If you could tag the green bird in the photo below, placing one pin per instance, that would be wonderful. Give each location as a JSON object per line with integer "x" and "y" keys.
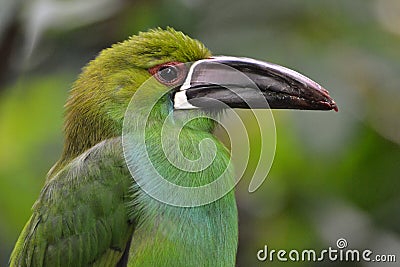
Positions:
{"x": 101, "y": 204}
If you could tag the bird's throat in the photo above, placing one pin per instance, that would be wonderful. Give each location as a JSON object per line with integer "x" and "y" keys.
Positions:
{"x": 170, "y": 235}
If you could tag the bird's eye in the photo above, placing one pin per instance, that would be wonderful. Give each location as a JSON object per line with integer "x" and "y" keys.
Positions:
{"x": 170, "y": 74}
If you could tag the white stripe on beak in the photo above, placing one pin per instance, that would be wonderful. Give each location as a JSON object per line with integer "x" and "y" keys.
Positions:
{"x": 180, "y": 99}
{"x": 181, "y": 102}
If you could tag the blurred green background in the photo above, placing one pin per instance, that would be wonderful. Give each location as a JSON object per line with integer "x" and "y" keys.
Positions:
{"x": 335, "y": 175}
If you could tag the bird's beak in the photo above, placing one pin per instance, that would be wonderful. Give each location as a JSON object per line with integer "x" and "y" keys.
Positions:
{"x": 248, "y": 83}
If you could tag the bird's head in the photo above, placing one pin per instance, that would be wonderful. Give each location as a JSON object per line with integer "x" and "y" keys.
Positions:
{"x": 195, "y": 80}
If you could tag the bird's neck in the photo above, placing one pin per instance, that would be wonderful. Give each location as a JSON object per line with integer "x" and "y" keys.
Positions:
{"x": 169, "y": 235}
{"x": 83, "y": 131}
{"x": 87, "y": 120}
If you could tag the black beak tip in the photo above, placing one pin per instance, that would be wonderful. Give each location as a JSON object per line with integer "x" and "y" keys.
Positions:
{"x": 334, "y": 106}
{"x": 330, "y": 103}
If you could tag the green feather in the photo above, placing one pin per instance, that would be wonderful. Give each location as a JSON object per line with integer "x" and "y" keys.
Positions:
{"x": 81, "y": 215}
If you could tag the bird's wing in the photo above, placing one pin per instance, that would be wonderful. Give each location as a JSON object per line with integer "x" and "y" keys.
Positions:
{"x": 81, "y": 217}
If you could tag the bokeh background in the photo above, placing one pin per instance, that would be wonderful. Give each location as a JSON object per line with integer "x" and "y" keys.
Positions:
{"x": 335, "y": 175}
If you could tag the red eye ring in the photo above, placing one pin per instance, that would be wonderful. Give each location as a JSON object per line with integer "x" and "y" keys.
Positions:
{"x": 170, "y": 73}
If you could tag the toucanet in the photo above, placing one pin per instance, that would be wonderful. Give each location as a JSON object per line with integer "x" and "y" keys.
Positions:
{"x": 93, "y": 212}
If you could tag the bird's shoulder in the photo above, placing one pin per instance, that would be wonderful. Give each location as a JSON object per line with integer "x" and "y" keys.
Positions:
{"x": 82, "y": 216}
